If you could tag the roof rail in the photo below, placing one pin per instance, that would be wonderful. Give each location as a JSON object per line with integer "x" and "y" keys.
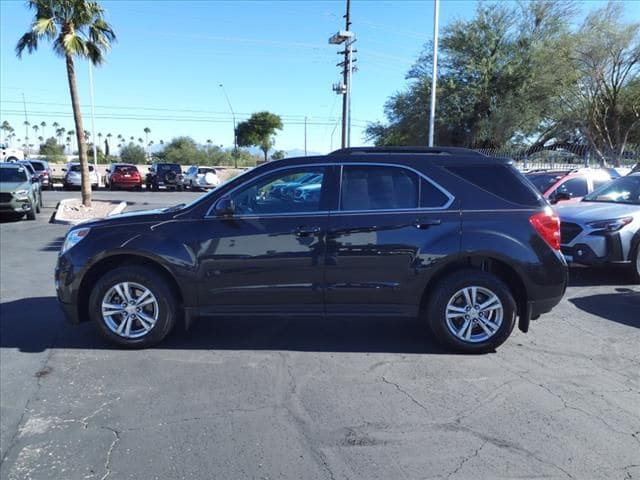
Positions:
{"x": 408, "y": 150}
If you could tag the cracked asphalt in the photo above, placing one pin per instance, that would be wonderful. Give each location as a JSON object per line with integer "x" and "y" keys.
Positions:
{"x": 310, "y": 398}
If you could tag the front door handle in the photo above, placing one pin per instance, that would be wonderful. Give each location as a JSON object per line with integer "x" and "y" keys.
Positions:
{"x": 303, "y": 231}
{"x": 423, "y": 224}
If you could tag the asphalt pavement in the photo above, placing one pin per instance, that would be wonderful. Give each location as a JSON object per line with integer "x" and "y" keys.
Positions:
{"x": 301, "y": 398}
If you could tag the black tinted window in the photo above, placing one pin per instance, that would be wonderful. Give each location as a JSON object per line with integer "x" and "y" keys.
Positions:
{"x": 574, "y": 187}
{"x": 378, "y": 188}
{"x": 38, "y": 166}
{"x": 430, "y": 196}
{"x": 13, "y": 175}
{"x": 501, "y": 180}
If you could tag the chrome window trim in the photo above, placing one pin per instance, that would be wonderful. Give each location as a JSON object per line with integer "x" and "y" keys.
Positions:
{"x": 449, "y": 196}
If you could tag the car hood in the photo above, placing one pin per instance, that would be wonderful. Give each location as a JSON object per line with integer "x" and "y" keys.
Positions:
{"x": 591, "y": 211}
{"x": 13, "y": 186}
{"x": 138, "y": 216}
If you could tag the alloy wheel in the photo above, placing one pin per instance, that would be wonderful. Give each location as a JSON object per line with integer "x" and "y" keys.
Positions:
{"x": 474, "y": 314}
{"x": 129, "y": 310}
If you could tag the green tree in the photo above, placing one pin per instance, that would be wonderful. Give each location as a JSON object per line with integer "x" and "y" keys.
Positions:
{"x": 78, "y": 30}
{"x": 183, "y": 150}
{"x": 259, "y": 130}
{"x": 500, "y": 74}
{"x": 133, "y": 153}
{"x": 605, "y": 102}
{"x": 52, "y": 150}
{"x": 278, "y": 155}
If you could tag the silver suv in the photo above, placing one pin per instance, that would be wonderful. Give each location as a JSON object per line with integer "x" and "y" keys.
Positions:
{"x": 604, "y": 228}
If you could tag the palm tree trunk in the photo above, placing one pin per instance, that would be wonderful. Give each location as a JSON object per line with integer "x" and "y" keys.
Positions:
{"x": 82, "y": 146}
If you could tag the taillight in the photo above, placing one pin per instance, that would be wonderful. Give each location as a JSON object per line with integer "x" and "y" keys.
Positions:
{"x": 547, "y": 224}
{"x": 45, "y": 174}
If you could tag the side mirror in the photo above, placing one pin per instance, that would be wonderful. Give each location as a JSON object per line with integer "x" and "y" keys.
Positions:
{"x": 64, "y": 169}
{"x": 225, "y": 207}
{"x": 107, "y": 170}
{"x": 561, "y": 196}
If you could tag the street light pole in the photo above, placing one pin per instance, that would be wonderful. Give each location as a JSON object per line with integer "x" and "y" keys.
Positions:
{"x": 235, "y": 136}
{"x": 93, "y": 123}
{"x": 434, "y": 73}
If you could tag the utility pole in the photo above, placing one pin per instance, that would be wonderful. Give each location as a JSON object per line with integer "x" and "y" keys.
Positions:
{"x": 344, "y": 88}
{"x": 305, "y": 136}
{"x": 235, "y": 134}
{"x": 434, "y": 72}
{"x": 26, "y": 123}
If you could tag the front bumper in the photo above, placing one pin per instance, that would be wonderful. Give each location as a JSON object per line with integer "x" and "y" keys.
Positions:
{"x": 600, "y": 250}
{"x": 16, "y": 206}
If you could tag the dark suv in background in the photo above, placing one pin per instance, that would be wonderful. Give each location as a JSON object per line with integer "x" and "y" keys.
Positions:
{"x": 168, "y": 175}
{"x": 458, "y": 238}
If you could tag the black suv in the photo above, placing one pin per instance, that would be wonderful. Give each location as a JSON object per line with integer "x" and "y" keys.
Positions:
{"x": 458, "y": 238}
{"x": 167, "y": 175}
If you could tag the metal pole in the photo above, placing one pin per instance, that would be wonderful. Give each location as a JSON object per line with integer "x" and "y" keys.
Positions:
{"x": 26, "y": 127}
{"x": 93, "y": 123}
{"x": 434, "y": 73}
{"x": 345, "y": 78}
{"x": 305, "y": 136}
{"x": 235, "y": 136}
{"x": 350, "y": 67}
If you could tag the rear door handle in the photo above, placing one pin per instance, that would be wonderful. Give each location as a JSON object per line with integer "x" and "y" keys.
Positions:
{"x": 303, "y": 231}
{"x": 423, "y": 224}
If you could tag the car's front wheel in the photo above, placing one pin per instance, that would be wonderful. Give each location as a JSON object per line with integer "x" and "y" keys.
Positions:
{"x": 133, "y": 307}
{"x": 471, "y": 311}
{"x": 635, "y": 265}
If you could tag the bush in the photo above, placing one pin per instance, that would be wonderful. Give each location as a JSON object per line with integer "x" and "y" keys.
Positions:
{"x": 133, "y": 153}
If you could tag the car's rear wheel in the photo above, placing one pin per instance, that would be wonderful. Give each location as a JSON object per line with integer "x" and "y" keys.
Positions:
{"x": 133, "y": 307}
{"x": 471, "y": 311}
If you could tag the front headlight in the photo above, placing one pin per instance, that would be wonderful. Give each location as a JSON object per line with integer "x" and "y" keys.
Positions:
{"x": 73, "y": 238}
{"x": 612, "y": 225}
{"x": 22, "y": 194}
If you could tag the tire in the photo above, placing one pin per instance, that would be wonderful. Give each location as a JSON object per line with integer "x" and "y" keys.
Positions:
{"x": 635, "y": 265}
{"x": 38, "y": 204}
{"x": 486, "y": 329}
{"x": 163, "y": 307}
{"x": 139, "y": 188}
{"x": 31, "y": 214}
{"x": 112, "y": 187}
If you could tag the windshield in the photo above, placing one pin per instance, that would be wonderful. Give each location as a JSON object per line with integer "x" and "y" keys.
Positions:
{"x": 206, "y": 170}
{"x": 76, "y": 168}
{"x": 622, "y": 190}
{"x": 38, "y": 166}
{"x": 166, "y": 167}
{"x": 28, "y": 167}
{"x": 13, "y": 175}
{"x": 544, "y": 181}
{"x": 126, "y": 169}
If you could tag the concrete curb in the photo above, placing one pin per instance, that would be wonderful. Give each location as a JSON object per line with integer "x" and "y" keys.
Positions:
{"x": 58, "y": 214}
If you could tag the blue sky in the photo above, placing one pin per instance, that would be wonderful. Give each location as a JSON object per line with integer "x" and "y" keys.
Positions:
{"x": 164, "y": 72}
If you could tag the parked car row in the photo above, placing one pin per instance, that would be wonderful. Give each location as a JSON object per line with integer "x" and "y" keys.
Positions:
{"x": 20, "y": 190}
{"x": 599, "y": 213}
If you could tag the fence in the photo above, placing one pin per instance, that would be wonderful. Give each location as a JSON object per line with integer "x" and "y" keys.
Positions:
{"x": 570, "y": 156}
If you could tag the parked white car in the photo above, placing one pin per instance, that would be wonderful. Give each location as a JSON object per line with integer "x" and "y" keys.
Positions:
{"x": 73, "y": 177}
{"x": 8, "y": 154}
{"x": 201, "y": 177}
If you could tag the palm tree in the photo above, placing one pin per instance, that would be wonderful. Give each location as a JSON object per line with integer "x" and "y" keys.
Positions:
{"x": 6, "y": 129}
{"x": 43, "y": 124}
{"x": 35, "y": 128}
{"x": 26, "y": 127}
{"x": 77, "y": 29}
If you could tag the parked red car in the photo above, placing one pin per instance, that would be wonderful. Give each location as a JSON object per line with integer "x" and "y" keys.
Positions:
{"x": 568, "y": 185}
{"x": 123, "y": 175}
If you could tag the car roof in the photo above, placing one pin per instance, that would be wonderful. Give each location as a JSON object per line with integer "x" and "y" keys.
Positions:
{"x": 10, "y": 165}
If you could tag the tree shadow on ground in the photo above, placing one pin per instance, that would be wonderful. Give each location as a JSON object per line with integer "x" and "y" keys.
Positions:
{"x": 621, "y": 307}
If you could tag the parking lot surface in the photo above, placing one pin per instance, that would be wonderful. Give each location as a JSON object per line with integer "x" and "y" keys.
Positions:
{"x": 310, "y": 398}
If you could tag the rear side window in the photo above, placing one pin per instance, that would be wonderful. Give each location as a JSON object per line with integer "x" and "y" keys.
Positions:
{"x": 574, "y": 187}
{"x": 430, "y": 196}
{"x": 378, "y": 188}
{"x": 503, "y": 181}
{"x": 37, "y": 166}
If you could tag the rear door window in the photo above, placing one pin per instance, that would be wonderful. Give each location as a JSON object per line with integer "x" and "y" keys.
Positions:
{"x": 370, "y": 187}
